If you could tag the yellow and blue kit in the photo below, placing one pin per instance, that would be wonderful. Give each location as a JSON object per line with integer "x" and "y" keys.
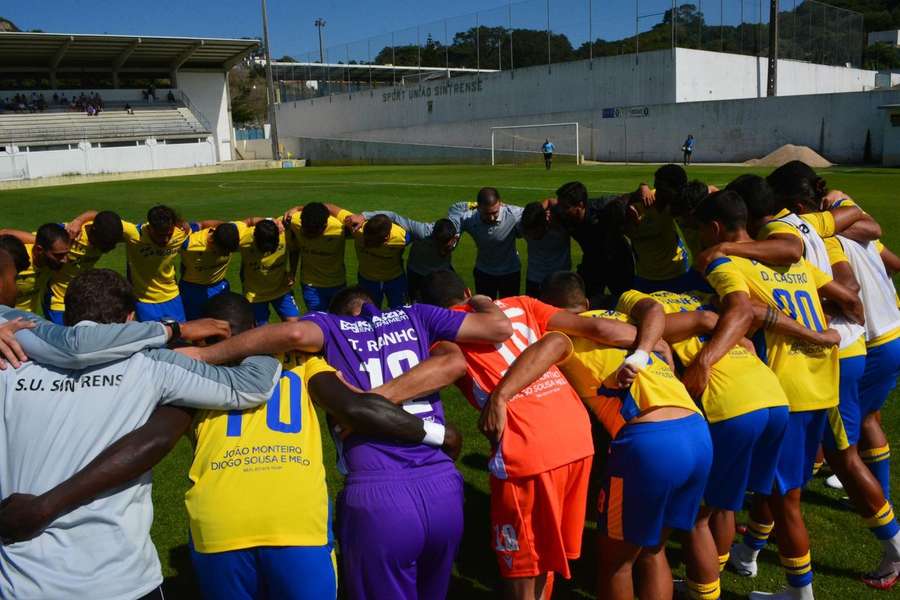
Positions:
{"x": 743, "y": 402}
{"x": 258, "y": 507}
{"x": 266, "y": 279}
{"x": 30, "y": 284}
{"x": 660, "y": 257}
{"x": 203, "y": 270}
{"x": 381, "y": 267}
{"x": 322, "y": 270}
{"x": 656, "y": 471}
{"x": 151, "y": 271}
{"x": 83, "y": 256}
{"x": 808, "y": 373}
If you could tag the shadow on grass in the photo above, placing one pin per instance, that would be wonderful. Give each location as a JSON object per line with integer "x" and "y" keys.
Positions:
{"x": 183, "y": 584}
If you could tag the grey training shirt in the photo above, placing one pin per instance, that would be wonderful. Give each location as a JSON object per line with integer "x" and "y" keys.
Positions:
{"x": 55, "y": 420}
{"x": 549, "y": 254}
{"x": 496, "y": 242}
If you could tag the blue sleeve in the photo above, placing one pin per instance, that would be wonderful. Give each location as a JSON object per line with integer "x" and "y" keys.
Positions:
{"x": 84, "y": 346}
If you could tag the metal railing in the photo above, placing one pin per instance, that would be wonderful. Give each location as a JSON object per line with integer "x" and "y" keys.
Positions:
{"x": 548, "y": 32}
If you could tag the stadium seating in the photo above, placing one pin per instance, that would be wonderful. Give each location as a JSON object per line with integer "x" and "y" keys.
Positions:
{"x": 62, "y": 126}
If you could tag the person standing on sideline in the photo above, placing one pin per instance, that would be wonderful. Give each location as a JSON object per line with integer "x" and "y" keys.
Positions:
{"x": 548, "y": 149}
{"x": 688, "y": 149}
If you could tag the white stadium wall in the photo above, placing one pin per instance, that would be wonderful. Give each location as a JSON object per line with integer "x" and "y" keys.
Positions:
{"x": 627, "y": 111}
{"x": 91, "y": 159}
{"x": 208, "y": 94}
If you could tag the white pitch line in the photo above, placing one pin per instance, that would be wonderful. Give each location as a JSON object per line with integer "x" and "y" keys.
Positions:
{"x": 228, "y": 185}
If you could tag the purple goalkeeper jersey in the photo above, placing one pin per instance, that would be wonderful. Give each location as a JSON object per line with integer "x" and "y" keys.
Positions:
{"x": 377, "y": 347}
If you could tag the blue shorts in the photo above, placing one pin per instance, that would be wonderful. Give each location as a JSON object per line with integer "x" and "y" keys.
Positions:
{"x": 880, "y": 377}
{"x": 798, "y": 451}
{"x": 289, "y": 572}
{"x": 845, "y": 419}
{"x": 54, "y": 316}
{"x": 318, "y": 298}
{"x": 171, "y": 309}
{"x": 691, "y": 281}
{"x": 394, "y": 289}
{"x": 194, "y": 296}
{"x": 654, "y": 479}
{"x": 285, "y": 306}
{"x": 745, "y": 452}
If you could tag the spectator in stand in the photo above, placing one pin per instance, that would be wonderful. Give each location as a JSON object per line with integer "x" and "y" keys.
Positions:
{"x": 55, "y": 98}
{"x": 128, "y": 109}
{"x": 171, "y": 97}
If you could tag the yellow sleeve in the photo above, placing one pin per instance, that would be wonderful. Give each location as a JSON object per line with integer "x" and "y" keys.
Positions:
{"x": 822, "y": 222}
{"x": 879, "y": 245}
{"x": 244, "y": 232}
{"x": 295, "y": 221}
{"x": 777, "y": 227}
{"x": 835, "y": 250}
{"x": 629, "y": 300}
{"x": 724, "y": 276}
{"x": 130, "y": 232}
{"x": 342, "y": 215}
{"x": 314, "y": 366}
{"x": 398, "y": 237}
{"x": 820, "y": 278}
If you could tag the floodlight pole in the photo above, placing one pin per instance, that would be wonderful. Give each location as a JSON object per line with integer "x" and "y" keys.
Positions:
{"x": 772, "y": 89}
{"x": 270, "y": 86}
{"x": 320, "y": 25}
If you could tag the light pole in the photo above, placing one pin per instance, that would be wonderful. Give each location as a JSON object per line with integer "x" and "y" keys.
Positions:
{"x": 320, "y": 25}
{"x": 270, "y": 86}
{"x": 772, "y": 88}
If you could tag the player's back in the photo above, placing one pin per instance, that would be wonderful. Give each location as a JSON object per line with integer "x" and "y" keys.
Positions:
{"x": 258, "y": 475}
{"x": 264, "y": 276}
{"x": 739, "y": 382}
{"x": 591, "y": 369}
{"x": 547, "y": 425}
{"x": 808, "y": 373}
{"x": 54, "y": 422}
{"x": 383, "y": 262}
{"x": 322, "y": 257}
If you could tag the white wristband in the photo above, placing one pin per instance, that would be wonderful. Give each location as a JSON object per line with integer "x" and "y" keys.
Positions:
{"x": 638, "y": 360}
{"x": 434, "y": 434}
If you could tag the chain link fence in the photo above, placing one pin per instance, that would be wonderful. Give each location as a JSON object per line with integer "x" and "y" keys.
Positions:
{"x": 547, "y": 32}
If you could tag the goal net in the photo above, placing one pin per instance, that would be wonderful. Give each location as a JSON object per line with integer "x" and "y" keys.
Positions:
{"x": 516, "y": 144}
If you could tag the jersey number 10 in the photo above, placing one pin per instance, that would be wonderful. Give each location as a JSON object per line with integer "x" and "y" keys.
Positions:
{"x": 273, "y": 409}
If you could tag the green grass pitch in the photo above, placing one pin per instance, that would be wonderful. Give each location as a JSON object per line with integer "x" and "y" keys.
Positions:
{"x": 841, "y": 548}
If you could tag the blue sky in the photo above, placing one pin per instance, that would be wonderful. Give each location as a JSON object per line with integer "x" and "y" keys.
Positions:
{"x": 291, "y": 21}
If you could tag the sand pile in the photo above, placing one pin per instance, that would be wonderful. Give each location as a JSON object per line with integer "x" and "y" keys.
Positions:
{"x": 789, "y": 152}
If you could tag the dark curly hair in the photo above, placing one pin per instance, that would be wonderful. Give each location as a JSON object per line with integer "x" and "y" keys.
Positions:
{"x": 99, "y": 295}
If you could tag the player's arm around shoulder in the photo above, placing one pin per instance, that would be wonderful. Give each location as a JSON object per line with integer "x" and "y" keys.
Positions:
{"x": 487, "y": 324}
{"x": 299, "y": 336}
{"x": 445, "y": 366}
{"x": 368, "y": 413}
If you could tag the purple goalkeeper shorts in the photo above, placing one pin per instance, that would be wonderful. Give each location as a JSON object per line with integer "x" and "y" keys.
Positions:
{"x": 399, "y": 533}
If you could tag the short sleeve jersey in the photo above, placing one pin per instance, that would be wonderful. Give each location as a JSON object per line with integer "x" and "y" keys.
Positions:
{"x": 258, "y": 475}
{"x": 83, "y": 256}
{"x": 547, "y": 424}
{"x": 151, "y": 268}
{"x": 201, "y": 263}
{"x": 374, "y": 348}
{"x": 264, "y": 277}
{"x": 821, "y": 222}
{"x": 322, "y": 257}
{"x": 808, "y": 373}
{"x": 384, "y": 262}
{"x": 739, "y": 383}
{"x": 659, "y": 252}
{"x": 591, "y": 370}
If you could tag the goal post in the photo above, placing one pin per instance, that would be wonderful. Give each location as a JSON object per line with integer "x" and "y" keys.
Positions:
{"x": 523, "y": 142}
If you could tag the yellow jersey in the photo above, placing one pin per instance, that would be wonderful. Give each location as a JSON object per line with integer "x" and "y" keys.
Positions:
{"x": 591, "y": 368}
{"x": 837, "y": 255}
{"x": 265, "y": 277}
{"x": 258, "y": 475}
{"x": 384, "y": 262}
{"x": 659, "y": 252}
{"x": 30, "y": 284}
{"x": 151, "y": 268}
{"x": 322, "y": 257}
{"x": 201, "y": 263}
{"x": 821, "y": 222}
{"x": 83, "y": 256}
{"x": 808, "y": 373}
{"x": 739, "y": 383}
